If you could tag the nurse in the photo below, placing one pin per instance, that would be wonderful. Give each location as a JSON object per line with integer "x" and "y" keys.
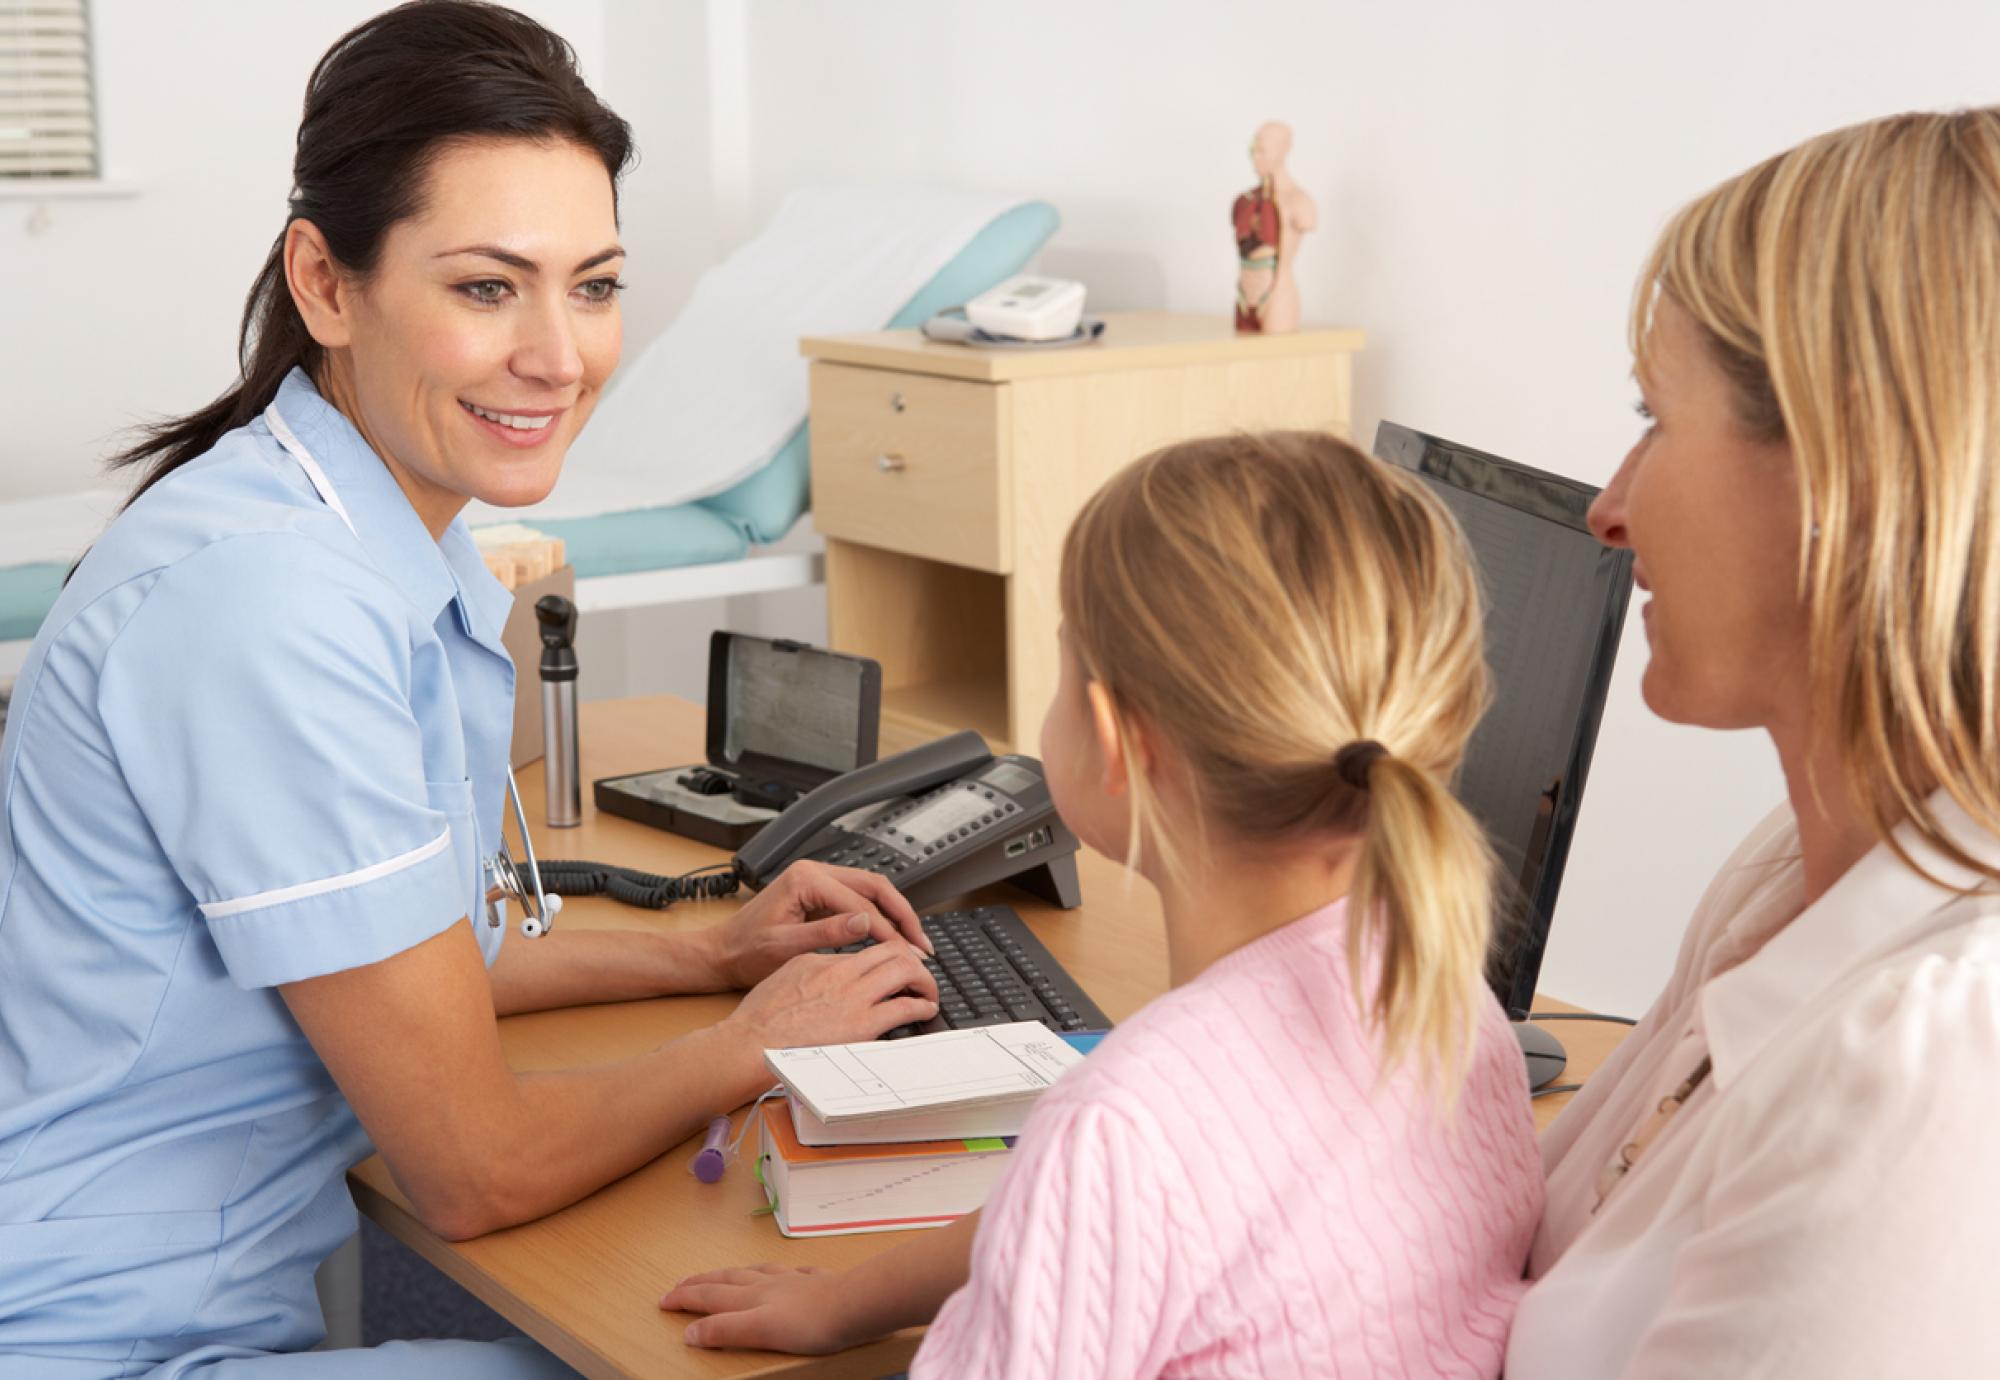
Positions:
{"x": 1792, "y": 1167}
{"x": 257, "y": 754}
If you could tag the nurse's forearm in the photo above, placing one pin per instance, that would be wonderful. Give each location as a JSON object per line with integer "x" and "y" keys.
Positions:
{"x": 474, "y": 1144}
{"x": 576, "y": 967}
{"x": 567, "y": 1133}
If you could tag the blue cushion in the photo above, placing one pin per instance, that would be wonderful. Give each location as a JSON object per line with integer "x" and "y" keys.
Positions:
{"x": 760, "y": 508}
{"x": 27, "y": 592}
{"x": 609, "y": 544}
{"x": 766, "y": 504}
{"x": 645, "y": 539}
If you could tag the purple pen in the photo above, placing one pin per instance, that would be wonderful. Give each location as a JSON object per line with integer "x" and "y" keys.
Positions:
{"x": 710, "y": 1161}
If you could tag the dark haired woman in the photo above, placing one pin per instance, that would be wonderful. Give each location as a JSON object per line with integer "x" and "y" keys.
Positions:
{"x": 258, "y": 752}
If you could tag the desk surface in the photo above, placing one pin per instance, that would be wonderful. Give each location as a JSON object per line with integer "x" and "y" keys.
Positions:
{"x": 584, "y": 1281}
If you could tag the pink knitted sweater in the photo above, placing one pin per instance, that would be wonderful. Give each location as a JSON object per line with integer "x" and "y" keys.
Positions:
{"x": 1224, "y": 1189}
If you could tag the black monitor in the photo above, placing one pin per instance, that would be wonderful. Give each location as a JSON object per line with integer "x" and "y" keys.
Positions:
{"x": 1555, "y": 605}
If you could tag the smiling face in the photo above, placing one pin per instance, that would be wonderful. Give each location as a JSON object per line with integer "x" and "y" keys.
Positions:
{"x": 1712, "y": 519}
{"x": 475, "y": 351}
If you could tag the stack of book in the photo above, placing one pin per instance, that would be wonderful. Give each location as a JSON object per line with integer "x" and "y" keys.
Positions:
{"x": 894, "y": 1134}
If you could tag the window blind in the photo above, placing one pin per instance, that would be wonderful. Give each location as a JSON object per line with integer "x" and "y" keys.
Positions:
{"x": 48, "y": 123}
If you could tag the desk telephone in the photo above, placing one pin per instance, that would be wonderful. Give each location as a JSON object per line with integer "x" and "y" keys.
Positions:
{"x": 937, "y": 821}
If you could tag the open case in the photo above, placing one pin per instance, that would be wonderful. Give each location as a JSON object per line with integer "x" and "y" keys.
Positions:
{"x": 783, "y": 718}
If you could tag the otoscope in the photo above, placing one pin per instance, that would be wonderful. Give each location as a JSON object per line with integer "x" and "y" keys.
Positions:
{"x": 561, "y": 771}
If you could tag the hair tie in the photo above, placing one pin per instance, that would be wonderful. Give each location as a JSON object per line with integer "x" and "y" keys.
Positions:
{"x": 1354, "y": 760}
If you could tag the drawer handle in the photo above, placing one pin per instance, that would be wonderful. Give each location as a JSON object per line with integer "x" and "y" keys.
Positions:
{"x": 896, "y": 402}
{"x": 888, "y": 463}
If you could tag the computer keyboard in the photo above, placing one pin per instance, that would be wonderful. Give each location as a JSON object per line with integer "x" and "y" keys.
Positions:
{"x": 990, "y": 969}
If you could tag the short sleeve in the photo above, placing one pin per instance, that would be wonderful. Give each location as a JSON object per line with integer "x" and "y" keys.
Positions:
{"x": 1850, "y": 1235}
{"x": 1071, "y": 1274}
{"x": 259, "y": 702}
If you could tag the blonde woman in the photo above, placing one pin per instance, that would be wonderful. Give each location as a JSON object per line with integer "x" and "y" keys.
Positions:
{"x": 1792, "y": 1167}
{"x": 1314, "y": 1155}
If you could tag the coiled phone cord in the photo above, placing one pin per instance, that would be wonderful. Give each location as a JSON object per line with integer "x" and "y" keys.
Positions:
{"x": 573, "y": 877}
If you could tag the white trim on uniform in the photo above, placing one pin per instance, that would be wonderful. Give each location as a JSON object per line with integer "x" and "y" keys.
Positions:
{"x": 217, "y": 910}
{"x": 282, "y": 433}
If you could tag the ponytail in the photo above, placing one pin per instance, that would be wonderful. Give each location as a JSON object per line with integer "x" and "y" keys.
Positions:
{"x": 270, "y": 342}
{"x": 1421, "y": 913}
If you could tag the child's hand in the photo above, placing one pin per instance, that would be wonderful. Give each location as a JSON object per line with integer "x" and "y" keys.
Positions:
{"x": 767, "y": 1307}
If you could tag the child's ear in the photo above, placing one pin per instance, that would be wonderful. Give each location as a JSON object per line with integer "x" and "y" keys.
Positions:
{"x": 1112, "y": 747}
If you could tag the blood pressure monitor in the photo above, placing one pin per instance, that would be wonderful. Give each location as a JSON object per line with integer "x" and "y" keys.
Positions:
{"x": 1029, "y": 308}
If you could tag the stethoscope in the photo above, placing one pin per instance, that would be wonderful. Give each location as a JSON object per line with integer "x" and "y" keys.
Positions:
{"x": 504, "y": 877}
{"x": 504, "y": 882}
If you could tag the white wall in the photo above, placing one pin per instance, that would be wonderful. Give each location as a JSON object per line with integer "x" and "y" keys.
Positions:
{"x": 1489, "y": 178}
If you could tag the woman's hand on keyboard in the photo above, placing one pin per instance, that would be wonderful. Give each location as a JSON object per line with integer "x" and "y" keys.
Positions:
{"x": 809, "y": 907}
{"x": 821, "y": 999}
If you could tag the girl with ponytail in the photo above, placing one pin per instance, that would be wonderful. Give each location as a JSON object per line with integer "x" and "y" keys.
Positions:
{"x": 1313, "y": 1156}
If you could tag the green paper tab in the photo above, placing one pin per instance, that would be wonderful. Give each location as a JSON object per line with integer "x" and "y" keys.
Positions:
{"x": 757, "y": 1168}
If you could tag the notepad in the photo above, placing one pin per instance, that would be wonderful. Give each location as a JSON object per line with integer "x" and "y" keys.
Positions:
{"x": 979, "y": 1121}
{"x": 953, "y": 1068}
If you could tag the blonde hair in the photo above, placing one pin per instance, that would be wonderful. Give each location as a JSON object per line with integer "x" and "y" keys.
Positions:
{"x": 1264, "y": 603}
{"x": 1850, "y": 289}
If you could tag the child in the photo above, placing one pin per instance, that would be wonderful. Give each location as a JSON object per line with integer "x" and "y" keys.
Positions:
{"x": 1314, "y": 1156}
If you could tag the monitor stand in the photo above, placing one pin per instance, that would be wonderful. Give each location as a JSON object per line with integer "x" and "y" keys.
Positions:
{"x": 1544, "y": 1053}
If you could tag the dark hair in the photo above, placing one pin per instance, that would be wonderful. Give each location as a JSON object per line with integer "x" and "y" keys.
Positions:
{"x": 386, "y": 99}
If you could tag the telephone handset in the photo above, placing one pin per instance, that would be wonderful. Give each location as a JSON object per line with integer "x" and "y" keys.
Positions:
{"x": 938, "y": 821}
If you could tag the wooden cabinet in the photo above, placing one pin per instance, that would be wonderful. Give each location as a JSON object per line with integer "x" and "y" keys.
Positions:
{"x": 944, "y": 479}
{"x": 910, "y": 463}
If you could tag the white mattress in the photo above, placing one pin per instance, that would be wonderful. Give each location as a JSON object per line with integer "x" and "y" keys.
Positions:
{"x": 713, "y": 398}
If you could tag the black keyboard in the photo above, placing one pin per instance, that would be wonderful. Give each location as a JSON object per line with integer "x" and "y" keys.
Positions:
{"x": 991, "y": 970}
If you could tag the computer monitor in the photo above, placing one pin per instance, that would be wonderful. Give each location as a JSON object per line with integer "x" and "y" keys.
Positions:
{"x": 1555, "y": 605}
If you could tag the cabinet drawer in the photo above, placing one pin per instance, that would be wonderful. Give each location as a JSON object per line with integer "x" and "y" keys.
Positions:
{"x": 911, "y": 463}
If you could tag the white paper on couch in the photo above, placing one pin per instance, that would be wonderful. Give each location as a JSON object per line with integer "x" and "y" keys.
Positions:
{"x": 712, "y": 399}
{"x": 56, "y": 528}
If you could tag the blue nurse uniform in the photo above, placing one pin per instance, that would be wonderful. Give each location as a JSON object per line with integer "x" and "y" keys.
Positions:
{"x": 261, "y": 737}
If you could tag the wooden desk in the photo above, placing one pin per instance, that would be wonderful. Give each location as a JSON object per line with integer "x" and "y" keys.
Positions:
{"x": 584, "y": 1282}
